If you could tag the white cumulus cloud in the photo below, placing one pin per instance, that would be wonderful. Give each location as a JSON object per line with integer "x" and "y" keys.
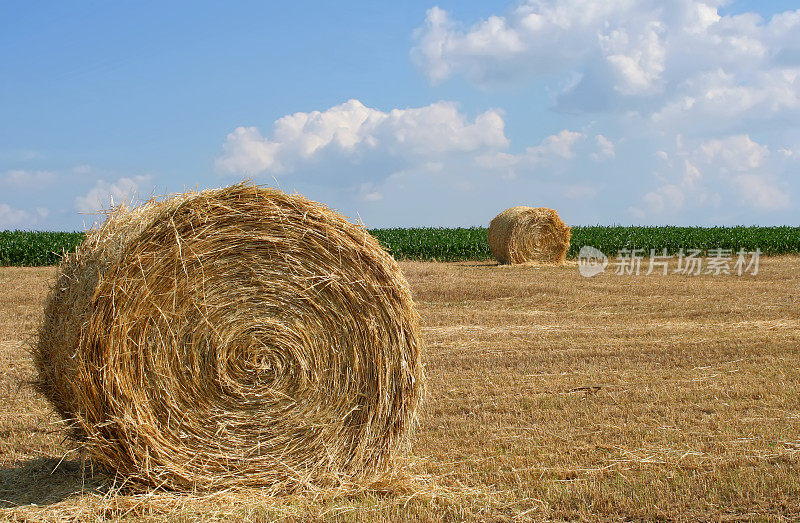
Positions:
{"x": 605, "y": 149}
{"x": 678, "y": 61}
{"x": 104, "y": 194}
{"x": 734, "y": 153}
{"x": 551, "y": 148}
{"x": 726, "y": 83}
{"x": 352, "y": 130}
{"x": 734, "y": 170}
{"x": 560, "y": 144}
{"x": 667, "y": 198}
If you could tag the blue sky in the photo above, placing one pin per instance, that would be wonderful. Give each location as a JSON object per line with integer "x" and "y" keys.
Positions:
{"x": 406, "y": 114}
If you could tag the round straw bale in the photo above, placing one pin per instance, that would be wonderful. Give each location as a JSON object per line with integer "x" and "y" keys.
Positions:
{"x": 233, "y": 337}
{"x": 525, "y": 234}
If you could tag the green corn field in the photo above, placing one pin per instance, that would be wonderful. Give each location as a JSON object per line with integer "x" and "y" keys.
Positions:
{"x": 433, "y": 243}
{"x": 29, "y": 248}
{"x": 770, "y": 240}
{"x": 471, "y": 243}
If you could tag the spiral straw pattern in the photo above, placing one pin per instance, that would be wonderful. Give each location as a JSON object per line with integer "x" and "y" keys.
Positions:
{"x": 233, "y": 337}
{"x": 529, "y": 234}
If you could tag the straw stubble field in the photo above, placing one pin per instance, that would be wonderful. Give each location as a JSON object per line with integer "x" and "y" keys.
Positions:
{"x": 550, "y": 396}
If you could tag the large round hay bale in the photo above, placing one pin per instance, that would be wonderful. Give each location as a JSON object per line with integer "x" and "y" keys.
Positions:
{"x": 529, "y": 234}
{"x": 233, "y": 337}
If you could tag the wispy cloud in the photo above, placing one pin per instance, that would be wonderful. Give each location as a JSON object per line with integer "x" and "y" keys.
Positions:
{"x": 14, "y": 218}
{"x": 20, "y": 178}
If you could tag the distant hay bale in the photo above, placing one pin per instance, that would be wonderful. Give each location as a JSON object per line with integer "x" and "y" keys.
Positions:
{"x": 524, "y": 234}
{"x": 233, "y": 337}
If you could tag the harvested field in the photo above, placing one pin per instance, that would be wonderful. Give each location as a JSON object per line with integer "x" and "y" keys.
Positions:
{"x": 551, "y": 396}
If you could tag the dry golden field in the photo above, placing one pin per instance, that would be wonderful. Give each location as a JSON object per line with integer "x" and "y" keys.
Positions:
{"x": 551, "y": 396}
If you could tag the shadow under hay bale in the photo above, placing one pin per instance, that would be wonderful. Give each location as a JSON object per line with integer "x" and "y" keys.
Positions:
{"x": 234, "y": 337}
{"x": 529, "y": 234}
{"x": 45, "y": 481}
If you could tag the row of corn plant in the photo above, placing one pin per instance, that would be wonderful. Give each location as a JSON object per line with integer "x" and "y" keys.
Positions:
{"x": 610, "y": 240}
{"x": 29, "y": 248}
{"x": 471, "y": 243}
